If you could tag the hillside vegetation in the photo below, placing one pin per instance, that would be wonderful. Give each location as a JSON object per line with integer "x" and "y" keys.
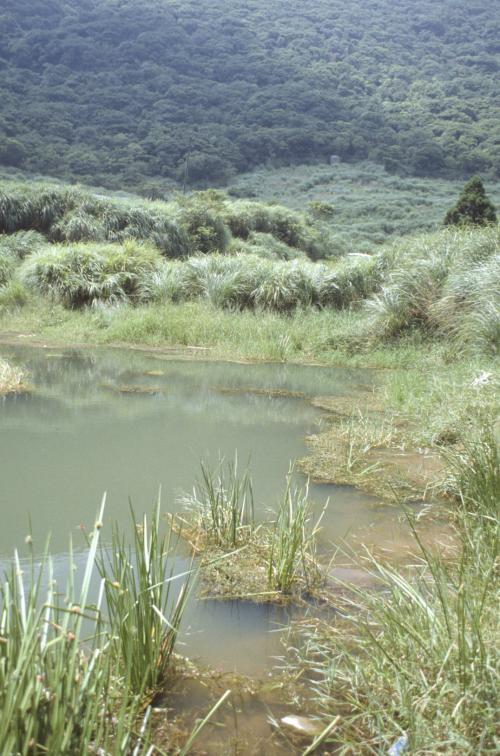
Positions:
{"x": 79, "y": 250}
{"x": 126, "y": 91}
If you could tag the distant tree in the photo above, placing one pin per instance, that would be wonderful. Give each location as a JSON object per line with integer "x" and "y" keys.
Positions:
{"x": 473, "y": 206}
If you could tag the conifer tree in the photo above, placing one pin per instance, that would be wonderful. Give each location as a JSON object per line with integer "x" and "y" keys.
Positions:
{"x": 473, "y": 206}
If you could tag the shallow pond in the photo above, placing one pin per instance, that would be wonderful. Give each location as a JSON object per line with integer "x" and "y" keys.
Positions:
{"x": 128, "y": 422}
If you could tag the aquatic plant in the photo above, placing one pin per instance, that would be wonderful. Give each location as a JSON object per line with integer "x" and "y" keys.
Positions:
{"x": 221, "y": 505}
{"x": 292, "y": 541}
{"x": 56, "y": 695}
{"x": 76, "y": 668}
{"x": 144, "y": 602}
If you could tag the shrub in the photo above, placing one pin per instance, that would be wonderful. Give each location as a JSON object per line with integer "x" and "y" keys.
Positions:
{"x": 206, "y": 229}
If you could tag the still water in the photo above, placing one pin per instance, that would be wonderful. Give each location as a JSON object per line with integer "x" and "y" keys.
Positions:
{"x": 128, "y": 423}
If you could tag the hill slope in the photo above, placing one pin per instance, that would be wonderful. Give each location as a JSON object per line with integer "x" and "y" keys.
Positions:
{"x": 113, "y": 91}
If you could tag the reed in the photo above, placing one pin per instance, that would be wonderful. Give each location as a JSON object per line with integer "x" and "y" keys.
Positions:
{"x": 145, "y": 602}
{"x": 77, "y": 664}
{"x": 56, "y": 694}
{"x": 292, "y": 545}
{"x": 221, "y": 505}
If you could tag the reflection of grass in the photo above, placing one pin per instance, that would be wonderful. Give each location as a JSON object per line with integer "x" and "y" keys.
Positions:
{"x": 420, "y": 657}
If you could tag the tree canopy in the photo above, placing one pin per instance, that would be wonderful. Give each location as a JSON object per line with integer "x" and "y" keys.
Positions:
{"x": 473, "y": 206}
{"x": 118, "y": 91}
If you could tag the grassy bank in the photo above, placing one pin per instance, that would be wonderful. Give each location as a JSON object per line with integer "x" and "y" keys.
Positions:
{"x": 417, "y": 662}
{"x": 304, "y": 336}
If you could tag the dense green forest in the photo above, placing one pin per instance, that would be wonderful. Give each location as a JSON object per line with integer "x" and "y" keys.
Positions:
{"x": 119, "y": 92}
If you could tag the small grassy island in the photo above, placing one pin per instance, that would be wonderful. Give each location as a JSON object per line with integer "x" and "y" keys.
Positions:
{"x": 12, "y": 379}
{"x": 407, "y": 653}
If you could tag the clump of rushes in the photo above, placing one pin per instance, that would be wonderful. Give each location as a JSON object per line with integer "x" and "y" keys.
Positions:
{"x": 57, "y": 696}
{"x": 73, "y": 677}
{"x": 145, "y": 604}
{"x": 221, "y": 506}
{"x": 272, "y": 561}
{"x": 292, "y": 542}
{"x": 419, "y": 658}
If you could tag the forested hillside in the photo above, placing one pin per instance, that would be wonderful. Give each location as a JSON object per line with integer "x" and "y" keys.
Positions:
{"x": 117, "y": 91}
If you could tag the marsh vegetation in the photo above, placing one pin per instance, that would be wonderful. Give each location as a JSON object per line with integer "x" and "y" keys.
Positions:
{"x": 233, "y": 278}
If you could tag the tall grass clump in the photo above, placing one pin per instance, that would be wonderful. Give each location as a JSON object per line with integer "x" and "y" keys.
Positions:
{"x": 265, "y": 245}
{"x": 250, "y": 282}
{"x": 144, "y": 604}
{"x": 292, "y": 546}
{"x": 7, "y": 267}
{"x": 469, "y": 307}
{"x": 202, "y": 223}
{"x": 57, "y": 692}
{"x": 12, "y": 379}
{"x": 77, "y": 664}
{"x": 444, "y": 285}
{"x": 221, "y": 505}
{"x": 83, "y": 274}
{"x": 419, "y": 657}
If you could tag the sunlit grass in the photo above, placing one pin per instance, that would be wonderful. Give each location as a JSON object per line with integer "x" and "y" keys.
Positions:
{"x": 220, "y": 507}
{"x": 13, "y": 380}
{"x": 79, "y": 663}
{"x": 419, "y": 656}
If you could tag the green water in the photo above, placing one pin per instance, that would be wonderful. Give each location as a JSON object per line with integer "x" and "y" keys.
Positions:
{"x": 79, "y": 434}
